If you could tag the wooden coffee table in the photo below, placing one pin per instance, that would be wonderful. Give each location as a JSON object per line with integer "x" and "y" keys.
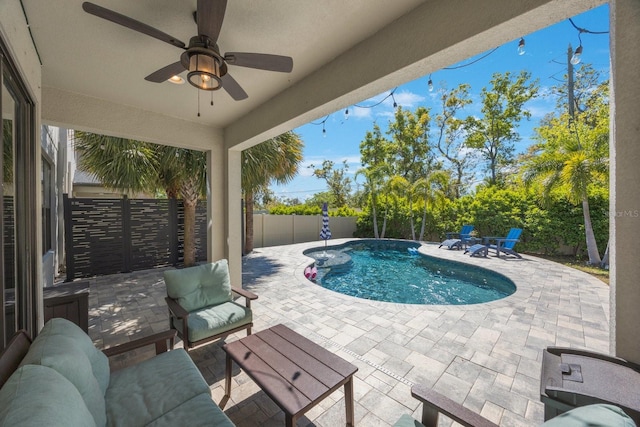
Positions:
{"x": 293, "y": 371}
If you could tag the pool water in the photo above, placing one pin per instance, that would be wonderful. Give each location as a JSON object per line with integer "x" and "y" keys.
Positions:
{"x": 387, "y": 271}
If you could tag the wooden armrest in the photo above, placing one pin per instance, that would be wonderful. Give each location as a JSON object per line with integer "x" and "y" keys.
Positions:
{"x": 12, "y": 355}
{"x": 176, "y": 308}
{"x": 244, "y": 293}
{"x": 434, "y": 403}
{"x": 160, "y": 340}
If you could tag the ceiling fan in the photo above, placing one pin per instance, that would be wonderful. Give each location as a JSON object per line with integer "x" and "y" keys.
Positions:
{"x": 207, "y": 67}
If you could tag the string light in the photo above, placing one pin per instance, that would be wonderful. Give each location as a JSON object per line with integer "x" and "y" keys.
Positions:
{"x": 577, "y": 56}
{"x": 575, "y": 59}
{"x": 521, "y": 50}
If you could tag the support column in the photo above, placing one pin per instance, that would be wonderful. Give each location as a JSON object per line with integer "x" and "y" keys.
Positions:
{"x": 234, "y": 214}
{"x": 624, "y": 178}
{"x": 216, "y": 195}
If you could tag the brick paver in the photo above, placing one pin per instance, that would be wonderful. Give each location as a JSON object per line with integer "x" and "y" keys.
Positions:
{"x": 486, "y": 356}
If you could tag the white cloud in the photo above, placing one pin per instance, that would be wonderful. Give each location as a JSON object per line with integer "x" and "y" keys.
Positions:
{"x": 360, "y": 113}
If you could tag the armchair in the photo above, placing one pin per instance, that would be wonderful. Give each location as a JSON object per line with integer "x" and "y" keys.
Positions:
{"x": 201, "y": 307}
{"x": 434, "y": 404}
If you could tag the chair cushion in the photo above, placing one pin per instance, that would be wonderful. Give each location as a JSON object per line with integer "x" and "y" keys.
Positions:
{"x": 200, "y": 286}
{"x": 35, "y": 395}
{"x": 200, "y": 411}
{"x": 144, "y": 392}
{"x": 215, "y": 320}
{"x": 600, "y": 415}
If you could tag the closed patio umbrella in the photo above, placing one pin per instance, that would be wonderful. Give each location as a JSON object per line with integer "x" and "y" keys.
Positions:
{"x": 325, "y": 232}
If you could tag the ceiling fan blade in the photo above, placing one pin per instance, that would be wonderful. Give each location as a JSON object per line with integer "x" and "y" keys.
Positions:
{"x": 165, "y": 73}
{"x": 233, "y": 88}
{"x": 261, "y": 61}
{"x": 125, "y": 21}
{"x": 210, "y": 16}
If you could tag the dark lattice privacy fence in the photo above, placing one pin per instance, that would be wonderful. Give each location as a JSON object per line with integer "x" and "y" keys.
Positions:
{"x": 107, "y": 236}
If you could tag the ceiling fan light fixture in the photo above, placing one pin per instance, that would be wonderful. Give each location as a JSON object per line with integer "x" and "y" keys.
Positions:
{"x": 204, "y": 71}
{"x": 176, "y": 80}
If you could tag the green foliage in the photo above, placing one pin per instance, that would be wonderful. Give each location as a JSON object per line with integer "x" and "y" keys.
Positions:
{"x": 295, "y": 210}
{"x": 339, "y": 184}
{"x": 494, "y": 133}
{"x": 310, "y": 210}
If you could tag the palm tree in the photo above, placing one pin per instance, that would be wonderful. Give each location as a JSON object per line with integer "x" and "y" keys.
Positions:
{"x": 136, "y": 166}
{"x": 276, "y": 159}
{"x": 574, "y": 155}
{"x": 399, "y": 186}
{"x": 374, "y": 179}
{"x": 185, "y": 171}
{"x": 433, "y": 190}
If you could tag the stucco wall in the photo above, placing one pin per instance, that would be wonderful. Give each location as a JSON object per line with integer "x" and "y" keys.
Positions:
{"x": 274, "y": 230}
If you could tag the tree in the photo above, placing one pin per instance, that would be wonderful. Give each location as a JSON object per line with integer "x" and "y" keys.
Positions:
{"x": 276, "y": 159}
{"x": 374, "y": 151}
{"x": 409, "y": 154}
{"x": 339, "y": 184}
{"x": 572, "y": 154}
{"x": 450, "y": 136}
{"x": 433, "y": 190}
{"x": 136, "y": 166}
{"x": 494, "y": 134}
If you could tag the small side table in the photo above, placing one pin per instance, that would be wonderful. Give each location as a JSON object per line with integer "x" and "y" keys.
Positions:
{"x": 294, "y": 372}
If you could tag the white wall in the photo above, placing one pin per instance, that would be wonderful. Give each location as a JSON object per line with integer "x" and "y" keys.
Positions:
{"x": 275, "y": 230}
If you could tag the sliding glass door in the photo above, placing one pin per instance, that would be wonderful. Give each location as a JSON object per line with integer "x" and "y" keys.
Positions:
{"x": 18, "y": 266}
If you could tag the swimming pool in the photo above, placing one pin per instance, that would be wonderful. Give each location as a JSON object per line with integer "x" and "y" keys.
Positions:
{"x": 384, "y": 270}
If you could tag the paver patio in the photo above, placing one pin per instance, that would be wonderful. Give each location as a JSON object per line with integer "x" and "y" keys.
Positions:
{"x": 486, "y": 356}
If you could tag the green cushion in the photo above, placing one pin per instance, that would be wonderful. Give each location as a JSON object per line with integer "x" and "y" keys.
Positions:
{"x": 144, "y": 392}
{"x": 200, "y": 286}
{"x": 200, "y": 411}
{"x": 407, "y": 420}
{"x": 215, "y": 320}
{"x": 59, "y": 347}
{"x": 39, "y": 396}
{"x": 600, "y": 415}
{"x": 99, "y": 362}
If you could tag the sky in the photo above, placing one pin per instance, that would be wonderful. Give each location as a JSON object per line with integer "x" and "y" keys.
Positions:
{"x": 545, "y": 58}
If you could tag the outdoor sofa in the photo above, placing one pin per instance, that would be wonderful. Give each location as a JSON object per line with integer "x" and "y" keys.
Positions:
{"x": 61, "y": 379}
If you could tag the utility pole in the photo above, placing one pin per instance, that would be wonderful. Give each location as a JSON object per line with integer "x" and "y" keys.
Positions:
{"x": 570, "y": 83}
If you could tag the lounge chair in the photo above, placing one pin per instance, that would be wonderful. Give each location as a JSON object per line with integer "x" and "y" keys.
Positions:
{"x": 504, "y": 244}
{"x": 457, "y": 240}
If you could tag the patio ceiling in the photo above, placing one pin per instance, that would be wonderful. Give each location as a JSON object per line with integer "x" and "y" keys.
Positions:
{"x": 343, "y": 52}
{"x": 85, "y": 54}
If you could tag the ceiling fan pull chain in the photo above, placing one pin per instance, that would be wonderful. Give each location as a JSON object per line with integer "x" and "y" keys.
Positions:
{"x": 212, "y": 99}
{"x": 198, "y": 103}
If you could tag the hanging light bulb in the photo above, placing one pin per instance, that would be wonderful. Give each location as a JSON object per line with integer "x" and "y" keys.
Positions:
{"x": 430, "y": 84}
{"x": 521, "y": 46}
{"x": 346, "y": 114}
{"x": 577, "y": 56}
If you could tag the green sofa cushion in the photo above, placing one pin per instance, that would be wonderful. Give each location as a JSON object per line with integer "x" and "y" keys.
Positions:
{"x": 39, "y": 396}
{"x": 199, "y": 286}
{"x": 600, "y": 415}
{"x": 57, "y": 327}
{"x": 211, "y": 321}
{"x": 61, "y": 354}
{"x": 407, "y": 420}
{"x": 142, "y": 393}
{"x": 199, "y": 411}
